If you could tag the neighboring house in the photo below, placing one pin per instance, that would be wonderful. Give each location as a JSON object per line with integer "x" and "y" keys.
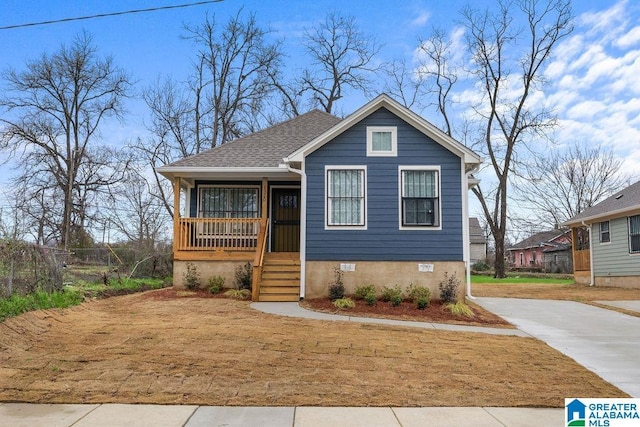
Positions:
{"x": 477, "y": 241}
{"x": 547, "y": 251}
{"x": 610, "y": 252}
{"x": 380, "y": 195}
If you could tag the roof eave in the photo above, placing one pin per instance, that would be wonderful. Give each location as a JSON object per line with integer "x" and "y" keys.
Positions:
{"x": 609, "y": 214}
{"x": 171, "y": 172}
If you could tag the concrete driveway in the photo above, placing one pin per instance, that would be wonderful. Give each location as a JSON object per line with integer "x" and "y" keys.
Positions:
{"x": 604, "y": 341}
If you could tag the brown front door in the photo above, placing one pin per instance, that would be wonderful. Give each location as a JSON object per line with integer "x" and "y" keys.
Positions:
{"x": 285, "y": 220}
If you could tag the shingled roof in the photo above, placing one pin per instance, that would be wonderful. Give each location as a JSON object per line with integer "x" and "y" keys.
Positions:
{"x": 265, "y": 148}
{"x": 623, "y": 201}
{"x": 539, "y": 239}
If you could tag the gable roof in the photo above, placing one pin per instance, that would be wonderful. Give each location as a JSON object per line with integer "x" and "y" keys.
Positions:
{"x": 261, "y": 150}
{"x": 539, "y": 239}
{"x": 622, "y": 202}
{"x": 384, "y": 101}
{"x": 476, "y": 234}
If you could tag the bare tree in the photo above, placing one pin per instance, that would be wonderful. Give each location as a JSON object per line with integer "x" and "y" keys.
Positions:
{"x": 342, "y": 58}
{"x": 232, "y": 77}
{"x": 506, "y": 66}
{"x": 430, "y": 80}
{"x": 563, "y": 184}
{"x": 59, "y": 102}
{"x": 223, "y": 99}
{"x": 509, "y": 120}
{"x": 136, "y": 214}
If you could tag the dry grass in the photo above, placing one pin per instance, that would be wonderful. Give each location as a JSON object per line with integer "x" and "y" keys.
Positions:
{"x": 157, "y": 347}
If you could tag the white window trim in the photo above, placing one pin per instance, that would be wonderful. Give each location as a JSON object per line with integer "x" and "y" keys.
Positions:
{"x": 633, "y": 254}
{"x": 600, "y": 233}
{"x": 419, "y": 227}
{"x": 327, "y": 168}
{"x": 394, "y": 141}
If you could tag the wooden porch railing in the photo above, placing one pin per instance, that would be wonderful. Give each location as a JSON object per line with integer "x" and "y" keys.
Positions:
{"x": 217, "y": 234}
{"x": 581, "y": 260}
{"x": 259, "y": 259}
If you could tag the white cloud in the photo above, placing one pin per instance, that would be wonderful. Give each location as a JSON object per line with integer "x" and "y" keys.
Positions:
{"x": 630, "y": 39}
{"x": 421, "y": 19}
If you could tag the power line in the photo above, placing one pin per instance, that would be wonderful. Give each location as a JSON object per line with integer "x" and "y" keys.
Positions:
{"x": 105, "y": 15}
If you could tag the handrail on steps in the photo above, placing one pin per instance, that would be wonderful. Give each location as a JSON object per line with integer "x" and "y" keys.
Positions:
{"x": 259, "y": 259}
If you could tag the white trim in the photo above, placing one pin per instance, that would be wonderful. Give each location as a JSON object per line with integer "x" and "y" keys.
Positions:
{"x": 629, "y": 236}
{"x": 364, "y": 212}
{"x": 608, "y": 242}
{"x": 618, "y": 213}
{"x": 402, "y": 168}
{"x": 399, "y": 110}
{"x": 394, "y": 141}
{"x": 303, "y": 226}
{"x": 303, "y": 232}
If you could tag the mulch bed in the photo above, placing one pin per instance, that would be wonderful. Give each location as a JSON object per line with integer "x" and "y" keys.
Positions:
{"x": 434, "y": 312}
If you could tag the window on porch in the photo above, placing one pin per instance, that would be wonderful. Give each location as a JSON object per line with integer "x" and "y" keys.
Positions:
{"x": 224, "y": 202}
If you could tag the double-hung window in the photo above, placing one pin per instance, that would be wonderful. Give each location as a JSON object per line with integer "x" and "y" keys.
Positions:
{"x": 634, "y": 234}
{"x": 419, "y": 197}
{"x": 346, "y": 196}
{"x": 605, "y": 234}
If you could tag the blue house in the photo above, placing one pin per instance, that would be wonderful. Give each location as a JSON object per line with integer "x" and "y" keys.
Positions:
{"x": 380, "y": 195}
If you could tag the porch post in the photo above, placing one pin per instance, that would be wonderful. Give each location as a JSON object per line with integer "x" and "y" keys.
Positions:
{"x": 176, "y": 214}
{"x": 265, "y": 198}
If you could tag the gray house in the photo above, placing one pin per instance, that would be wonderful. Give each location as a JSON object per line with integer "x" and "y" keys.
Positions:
{"x": 380, "y": 195}
{"x": 608, "y": 254}
{"x": 477, "y": 241}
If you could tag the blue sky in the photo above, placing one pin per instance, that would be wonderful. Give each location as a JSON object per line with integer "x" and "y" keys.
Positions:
{"x": 594, "y": 75}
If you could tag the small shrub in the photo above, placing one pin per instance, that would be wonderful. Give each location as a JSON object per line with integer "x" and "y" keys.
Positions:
{"x": 391, "y": 294}
{"x": 460, "y": 309}
{"x": 241, "y": 294}
{"x": 419, "y": 295}
{"x": 191, "y": 278}
{"x": 396, "y": 300}
{"x": 215, "y": 284}
{"x": 449, "y": 289}
{"x": 371, "y": 299}
{"x": 362, "y": 291}
{"x": 344, "y": 303}
{"x": 336, "y": 289}
{"x": 481, "y": 266}
{"x": 244, "y": 276}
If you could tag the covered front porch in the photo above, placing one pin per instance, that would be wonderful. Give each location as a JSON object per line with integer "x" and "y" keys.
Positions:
{"x": 226, "y": 224}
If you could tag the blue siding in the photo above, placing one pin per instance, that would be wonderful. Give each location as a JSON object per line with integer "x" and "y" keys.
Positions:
{"x": 383, "y": 240}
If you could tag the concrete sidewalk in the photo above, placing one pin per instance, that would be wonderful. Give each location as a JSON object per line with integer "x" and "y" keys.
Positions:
{"x": 114, "y": 415}
{"x": 603, "y": 341}
{"x": 293, "y": 309}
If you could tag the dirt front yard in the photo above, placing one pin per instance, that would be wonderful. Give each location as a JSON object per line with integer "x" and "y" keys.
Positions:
{"x": 164, "y": 347}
